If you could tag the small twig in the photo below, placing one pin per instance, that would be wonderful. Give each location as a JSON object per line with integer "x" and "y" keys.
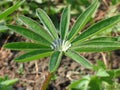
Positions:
{"x": 37, "y": 69}
{"x": 104, "y": 59}
{"x": 1, "y": 49}
{"x": 26, "y": 80}
{"x": 34, "y": 73}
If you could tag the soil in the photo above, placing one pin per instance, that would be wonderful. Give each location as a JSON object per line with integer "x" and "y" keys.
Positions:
{"x": 31, "y": 75}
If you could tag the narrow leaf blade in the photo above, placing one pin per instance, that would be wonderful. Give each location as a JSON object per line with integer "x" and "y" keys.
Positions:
{"x": 64, "y": 24}
{"x": 97, "y": 46}
{"x": 82, "y": 20}
{"x": 55, "y": 61}
{"x": 33, "y": 55}
{"x": 99, "y": 39}
{"x": 36, "y": 27}
{"x": 25, "y": 46}
{"x": 29, "y": 34}
{"x": 47, "y": 22}
{"x": 9, "y": 82}
{"x": 79, "y": 59}
{"x": 10, "y": 10}
{"x": 97, "y": 28}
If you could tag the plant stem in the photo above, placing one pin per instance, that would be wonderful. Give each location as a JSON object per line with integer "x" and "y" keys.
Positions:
{"x": 110, "y": 60}
{"x": 47, "y": 81}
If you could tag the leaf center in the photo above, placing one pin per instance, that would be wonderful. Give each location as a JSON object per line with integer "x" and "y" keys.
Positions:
{"x": 60, "y": 45}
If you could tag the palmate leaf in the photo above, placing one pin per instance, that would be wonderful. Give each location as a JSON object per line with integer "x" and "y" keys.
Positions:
{"x": 29, "y": 34}
{"x": 10, "y": 10}
{"x": 35, "y": 27}
{"x": 97, "y": 46}
{"x": 82, "y": 20}
{"x": 64, "y": 24}
{"x": 26, "y": 46}
{"x": 33, "y": 55}
{"x": 55, "y": 61}
{"x": 47, "y": 22}
{"x": 97, "y": 28}
{"x": 79, "y": 59}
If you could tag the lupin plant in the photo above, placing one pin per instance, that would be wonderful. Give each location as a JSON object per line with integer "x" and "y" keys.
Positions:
{"x": 48, "y": 41}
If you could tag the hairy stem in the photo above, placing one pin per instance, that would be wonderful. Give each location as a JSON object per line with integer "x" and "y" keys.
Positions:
{"x": 47, "y": 81}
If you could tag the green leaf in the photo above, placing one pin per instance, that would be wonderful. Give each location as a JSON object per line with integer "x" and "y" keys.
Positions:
{"x": 82, "y": 20}
{"x": 99, "y": 65}
{"x": 10, "y": 10}
{"x": 79, "y": 59}
{"x": 102, "y": 73}
{"x": 47, "y": 22}
{"x": 97, "y": 46}
{"x": 35, "y": 27}
{"x": 33, "y": 55}
{"x": 95, "y": 83}
{"x": 8, "y": 82}
{"x": 29, "y": 34}
{"x": 55, "y": 61}
{"x": 64, "y": 24}
{"x": 97, "y": 28}
{"x": 81, "y": 84}
{"x": 114, "y": 73}
{"x": 25, "y": 46}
